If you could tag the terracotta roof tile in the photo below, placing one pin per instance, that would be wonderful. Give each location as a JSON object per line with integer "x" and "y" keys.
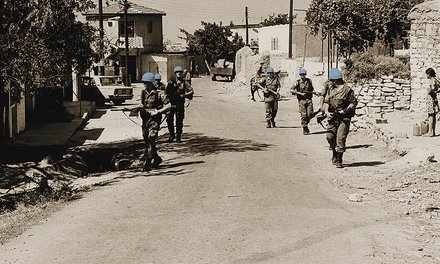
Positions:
{"x": 133, "y": 9}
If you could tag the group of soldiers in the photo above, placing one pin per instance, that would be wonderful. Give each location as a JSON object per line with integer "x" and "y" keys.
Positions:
{"x": 158, "y": 99}
{"x": 337, "y": 105}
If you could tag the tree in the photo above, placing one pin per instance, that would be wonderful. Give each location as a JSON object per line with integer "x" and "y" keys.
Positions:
{"x": 357, "y": 24}
{"x": 213, "y": 41}
{"x": 273, "y": 20}
{"x": 42, "y": 41}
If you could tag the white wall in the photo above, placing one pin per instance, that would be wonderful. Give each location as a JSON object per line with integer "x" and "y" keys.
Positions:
{"x": 267, "y": 34}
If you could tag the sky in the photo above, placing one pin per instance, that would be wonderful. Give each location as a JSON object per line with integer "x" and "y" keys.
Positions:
{"x": 188, "y": 14}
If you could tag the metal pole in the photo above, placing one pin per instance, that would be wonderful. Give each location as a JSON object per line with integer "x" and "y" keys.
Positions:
{"x": 126, "y": 41}
{"x": 329, "y": 44}
{"x": 290, "y": 28}
{"x": 247, "y": 25}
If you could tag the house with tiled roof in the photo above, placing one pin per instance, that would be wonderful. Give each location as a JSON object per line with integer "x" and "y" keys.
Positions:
{"x": 145, "y": 34}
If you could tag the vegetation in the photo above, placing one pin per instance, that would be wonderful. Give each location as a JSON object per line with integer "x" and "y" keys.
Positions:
{"x": 369, "y": 66}
{"x": 272, "y": 20}
{"x": 357, "y": 24}
{"x": 42, "y": 41}
{"x": 213, "y": 41}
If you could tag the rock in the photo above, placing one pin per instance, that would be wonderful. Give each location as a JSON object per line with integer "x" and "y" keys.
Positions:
{"x": 354, "y": 197}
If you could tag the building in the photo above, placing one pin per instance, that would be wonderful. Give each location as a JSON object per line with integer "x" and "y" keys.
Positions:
{"x": 145, "y": 34}
{"x": 424, "y": 48}
{"x": 241, "y": 31}
{"x": 275, "y": 40}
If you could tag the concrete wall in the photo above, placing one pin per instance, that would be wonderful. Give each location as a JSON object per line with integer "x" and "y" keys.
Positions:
{"x": 304, "y": 43}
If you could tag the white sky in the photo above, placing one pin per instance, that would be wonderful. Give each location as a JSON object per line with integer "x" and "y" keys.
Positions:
{"x": 188, "y": 14}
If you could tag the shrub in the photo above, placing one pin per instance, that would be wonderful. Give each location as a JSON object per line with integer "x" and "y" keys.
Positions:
{"x": 368, "y": 66}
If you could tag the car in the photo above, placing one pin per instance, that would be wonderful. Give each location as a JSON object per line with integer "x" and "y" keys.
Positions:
{"x": 101, "y": 89}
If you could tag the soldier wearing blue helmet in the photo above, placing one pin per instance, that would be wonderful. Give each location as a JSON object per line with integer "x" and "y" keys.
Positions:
{"x": 339, "y": 106}
{"x": 270, "y": 86}
{"x": 158, "y": 82}
{"x": 303, "y": 89}
{"x": 178, "y": 90}
{"x": 154, "y": 103}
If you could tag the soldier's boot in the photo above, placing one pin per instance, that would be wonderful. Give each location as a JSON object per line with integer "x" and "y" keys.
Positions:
{"x": 306, "y": 130}
{"x": 171, "y": 138}
{"x": 339, "y": 160}
{"x": 273, "y": 123}
{"x": 157, "y": 161}
{"x": 268, "y": 125}
{"x": 179, "y": 138}
{"x": 147, "y": 165}
{"x": 334, "y": 157}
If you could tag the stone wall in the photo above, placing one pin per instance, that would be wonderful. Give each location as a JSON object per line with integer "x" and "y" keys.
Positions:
{"x": 385, "y": 95}
{"x": 425, "y": 48}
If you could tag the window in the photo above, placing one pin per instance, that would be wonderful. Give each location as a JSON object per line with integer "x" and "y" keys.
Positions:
{"x": 130, "y": 29}
{"x": 274, "y": 44}
{"x": 110, "y": 24}
{"x": 150, "y": 27}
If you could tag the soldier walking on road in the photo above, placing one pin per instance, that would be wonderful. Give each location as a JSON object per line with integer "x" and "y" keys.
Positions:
{"x": 339, "y": 106}
{"x": 303, "y": 89}
{"x": 256, "y": 80}
{"x": 270, "y": 86}
{"x": 187, "y": 76}
{"x": 155, "y": 103}
{"x": 158, "y": 82}
{"x": 177, "y": 90}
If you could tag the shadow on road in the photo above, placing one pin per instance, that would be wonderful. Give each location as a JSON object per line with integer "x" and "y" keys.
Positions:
{"x": 202, "y": 145}
{"x": 318, "y": 132}
{"x": 364, "y": 164}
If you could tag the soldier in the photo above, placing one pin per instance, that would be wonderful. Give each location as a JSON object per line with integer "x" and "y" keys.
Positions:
{"x": 339, "y": 106}
{"x": 154, "y": 103}
{"x": 303, "y": 89}
{"x": 270, "y": 86}
{"x": 255, "y": 81}
{"x": 177, "y": 90}
{"x": 187, "y": 76}
{"x": 158, "y": 82}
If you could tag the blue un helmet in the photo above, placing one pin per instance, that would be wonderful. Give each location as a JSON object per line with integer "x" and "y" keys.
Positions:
{"x": 178, "y": 69}
{"x": 148, "y": 77}
{"x": 158, "y": 77}
{"x": 302, "y": 71}
{"x": 335, "y": 74}
{"x": 269, "y": 70}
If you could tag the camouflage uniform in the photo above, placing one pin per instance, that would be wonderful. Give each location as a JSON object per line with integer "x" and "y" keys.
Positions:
{"x": 304, "y": 101}
{"x": 270, "y": 100}
{"x": 176, "y": 90}
{"x": 153, "y": 100}
{"x": 339, "y": 98}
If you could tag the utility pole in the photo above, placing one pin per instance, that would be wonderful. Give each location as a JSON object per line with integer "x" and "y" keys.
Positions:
{"x": 290, "y": 28}
{"x": 126, "y": 41}
{"x": 101, "y": 38}
{"x": 246, "y": 12}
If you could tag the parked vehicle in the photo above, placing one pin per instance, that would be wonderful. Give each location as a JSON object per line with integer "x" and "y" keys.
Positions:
{"x": 103, "y": 89}
{"x": 224, "y": 69}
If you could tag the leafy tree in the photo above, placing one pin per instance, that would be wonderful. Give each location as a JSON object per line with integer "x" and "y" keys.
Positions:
{"x": 42, "y": 41}
{"x": 213, "y": 41}
{"x": 357, "y": 24}
{"x": 272, "y": 20}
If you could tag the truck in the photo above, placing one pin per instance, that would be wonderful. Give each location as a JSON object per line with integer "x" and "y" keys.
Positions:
{"x": 223, "y": 69}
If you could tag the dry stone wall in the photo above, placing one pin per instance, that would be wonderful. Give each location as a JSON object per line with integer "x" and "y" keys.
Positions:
{"x": 385, "y": 95}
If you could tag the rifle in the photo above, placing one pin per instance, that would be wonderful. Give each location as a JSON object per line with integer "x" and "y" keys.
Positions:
{"x": 134, "y": 111}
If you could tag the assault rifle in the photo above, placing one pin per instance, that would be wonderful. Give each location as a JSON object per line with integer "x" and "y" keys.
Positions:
{"x": 135, "y": 111}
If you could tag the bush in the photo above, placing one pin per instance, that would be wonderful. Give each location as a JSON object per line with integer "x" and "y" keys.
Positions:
{"x": 368, "y": 66}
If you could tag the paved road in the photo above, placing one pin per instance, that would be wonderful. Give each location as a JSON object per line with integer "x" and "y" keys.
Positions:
{"x": 232, "y": 192}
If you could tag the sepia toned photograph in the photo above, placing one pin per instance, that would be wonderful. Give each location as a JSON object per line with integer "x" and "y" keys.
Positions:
{"x": 219, "y": 131}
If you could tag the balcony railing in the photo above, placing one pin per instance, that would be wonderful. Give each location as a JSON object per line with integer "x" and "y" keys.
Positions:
{"x": 133, "y": 42}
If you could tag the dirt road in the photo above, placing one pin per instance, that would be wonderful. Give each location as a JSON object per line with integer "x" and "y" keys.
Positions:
{"x": 232, "y": 192}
